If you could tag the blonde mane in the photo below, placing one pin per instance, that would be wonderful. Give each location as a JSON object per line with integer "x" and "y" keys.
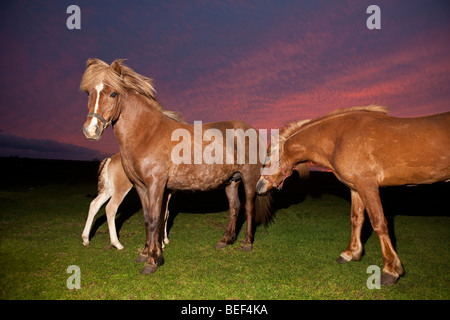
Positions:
{"x": 291, "y": 128}
{"x": 98, "y": 71}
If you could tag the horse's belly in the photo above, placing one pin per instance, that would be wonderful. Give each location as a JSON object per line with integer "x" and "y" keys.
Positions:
{"x": 198, "y": 177}
{"x": 413, "y": 175}
{"x": 194, "y": 184}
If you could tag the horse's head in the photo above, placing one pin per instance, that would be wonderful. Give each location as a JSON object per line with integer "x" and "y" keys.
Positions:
{"x": 274, "y": 180}
{"x": 104, "y": 99}
{"x": 271, "y": 173}
{"x": 103, "y": 106}
{"x": 276, "y": 170}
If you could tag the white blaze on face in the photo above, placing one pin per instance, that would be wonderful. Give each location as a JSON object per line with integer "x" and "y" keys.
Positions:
{"x": 99, "y": 88}
{"x": 94, "y": 121}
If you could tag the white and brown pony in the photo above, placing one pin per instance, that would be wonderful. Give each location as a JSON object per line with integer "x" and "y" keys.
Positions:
{"x": 113, "y": 184}
{"x": 125, "y": 99}
{"x": 366, "y": 149}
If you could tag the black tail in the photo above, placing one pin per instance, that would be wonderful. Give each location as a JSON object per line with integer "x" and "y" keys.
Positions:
{"x": 263, "y": 208}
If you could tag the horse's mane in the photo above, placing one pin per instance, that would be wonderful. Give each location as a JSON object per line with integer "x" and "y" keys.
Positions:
{"x": 292, "y": 128}
{"x": 98, "y": 71}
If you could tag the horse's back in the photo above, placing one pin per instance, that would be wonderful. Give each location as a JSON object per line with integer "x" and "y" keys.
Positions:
{"x": 232, "y": 124}
{"x": 398, "y": 150}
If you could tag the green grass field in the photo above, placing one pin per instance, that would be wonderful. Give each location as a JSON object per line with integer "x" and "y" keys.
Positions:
{"x": 42, "y": 217}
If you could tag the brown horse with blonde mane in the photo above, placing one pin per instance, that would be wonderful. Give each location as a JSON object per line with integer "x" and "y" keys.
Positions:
{"x": 144, "y": 129}
{"x": 366, "y": 149}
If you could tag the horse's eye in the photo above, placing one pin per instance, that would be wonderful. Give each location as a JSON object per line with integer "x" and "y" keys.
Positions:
{"x": 113, "y": 95}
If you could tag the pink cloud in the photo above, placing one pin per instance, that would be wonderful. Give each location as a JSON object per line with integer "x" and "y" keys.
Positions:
{"x": 286, "y": 80}
{"x": 239, "y": 62}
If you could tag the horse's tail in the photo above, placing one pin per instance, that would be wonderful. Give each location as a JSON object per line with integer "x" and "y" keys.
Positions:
{"x": 263, "y": 208}
{"x": 102, "y": 165}
{"x": 103, "y": 174}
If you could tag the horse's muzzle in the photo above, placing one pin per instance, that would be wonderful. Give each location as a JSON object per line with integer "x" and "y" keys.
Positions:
{"x": 261, "y": 186}
{"x": 92, "y": 132}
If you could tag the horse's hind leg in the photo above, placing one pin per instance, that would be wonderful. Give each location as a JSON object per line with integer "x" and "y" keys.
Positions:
{"x": 393, "y": 268}
{"x": 232, "y": 191}
{"x": 355, "y": 248}
{"x": 94, "y": 207}
{"x": 166, "y": 218}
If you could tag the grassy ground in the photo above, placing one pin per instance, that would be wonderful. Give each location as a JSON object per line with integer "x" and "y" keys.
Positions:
{"x": 293, "y": 258}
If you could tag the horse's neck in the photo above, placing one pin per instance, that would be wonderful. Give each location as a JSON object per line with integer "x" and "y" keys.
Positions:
{"x": 309, "y": 145}
{"x": 137, "y": 122}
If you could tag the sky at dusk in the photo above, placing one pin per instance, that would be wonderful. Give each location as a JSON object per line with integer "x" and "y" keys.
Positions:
{"x": 262, "y": 62}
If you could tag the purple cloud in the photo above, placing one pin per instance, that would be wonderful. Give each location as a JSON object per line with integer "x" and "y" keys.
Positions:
{"x": 11, "y": 145}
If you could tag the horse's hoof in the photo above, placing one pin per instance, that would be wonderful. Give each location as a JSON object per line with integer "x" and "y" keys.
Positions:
{"x": 160, "y": 260}
{"x": 141, "y": 258}
{"x": 86, "y": 244}
{"x": 388, "y": 279}
{"x": 149, "y": 269}
{"x": 117, "y": 245}
{"x": 343, "y": 258}
{"x": 247, "y": 247}
{"x": 221, "y": 245}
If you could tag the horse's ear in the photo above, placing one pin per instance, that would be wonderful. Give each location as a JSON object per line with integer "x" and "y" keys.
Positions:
{"x": 116, "y": 66}
{"x": 91, "y": 61}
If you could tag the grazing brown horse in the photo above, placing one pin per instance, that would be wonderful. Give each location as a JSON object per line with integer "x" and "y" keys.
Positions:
{"x": 155, "y": 159}
{"x": 112, "y": 183}
{"x": 367, "y": 149}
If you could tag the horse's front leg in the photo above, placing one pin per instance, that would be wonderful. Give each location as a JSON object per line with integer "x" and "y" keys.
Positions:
{"x": 355, "y": 248}
{"x": 111, "y": 210}
{"x": 143, "y": 196}
{"x": 152, "y": 218}
{"x": 94, "y": 207}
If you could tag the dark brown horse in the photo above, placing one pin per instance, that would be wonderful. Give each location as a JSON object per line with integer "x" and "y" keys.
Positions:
{"x": 367, "y": 149}
{"x": 161, "y": 153}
